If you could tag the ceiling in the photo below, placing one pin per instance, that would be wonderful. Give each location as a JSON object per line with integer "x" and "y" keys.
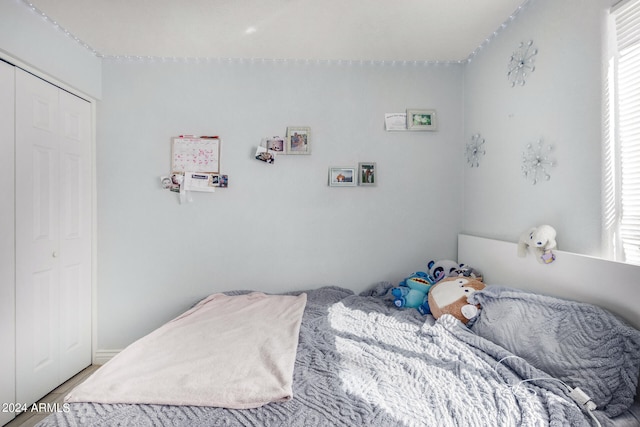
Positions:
{"x": 367, "y": 30}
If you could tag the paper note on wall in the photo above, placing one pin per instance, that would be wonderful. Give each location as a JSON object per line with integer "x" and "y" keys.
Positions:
{"x": 395, "y": 121}
{"x": 196, "y": 181}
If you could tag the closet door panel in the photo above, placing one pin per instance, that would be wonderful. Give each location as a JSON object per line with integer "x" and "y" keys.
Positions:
{"x": 37, "y": 237}
{"x": 75, "y": 235}
{"x": 7, "y": 240}
{"x": 43, "y": 287}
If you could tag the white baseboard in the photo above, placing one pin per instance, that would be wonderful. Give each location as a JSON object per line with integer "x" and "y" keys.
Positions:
{"x": 100, "y": 357}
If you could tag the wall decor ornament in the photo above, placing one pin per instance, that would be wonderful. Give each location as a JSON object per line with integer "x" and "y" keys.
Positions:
{"x": 474, "y": 150}
{"x": 521, "y": 63}
{"x": 536, "y": 163}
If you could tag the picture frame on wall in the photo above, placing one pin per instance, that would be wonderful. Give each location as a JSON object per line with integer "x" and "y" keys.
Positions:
{"x": 298, "y": 140}
{"x": 422, "y": 119}
{"x": 275, "y": 143}
{"x": 342, "y": 177}
{"x": 367, "y": 174}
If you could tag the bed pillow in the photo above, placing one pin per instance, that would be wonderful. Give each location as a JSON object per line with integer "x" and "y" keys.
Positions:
{"x": 580, "y": 344}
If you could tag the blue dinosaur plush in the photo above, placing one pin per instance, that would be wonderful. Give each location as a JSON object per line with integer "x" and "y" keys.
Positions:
{"x": 412, "y": 292}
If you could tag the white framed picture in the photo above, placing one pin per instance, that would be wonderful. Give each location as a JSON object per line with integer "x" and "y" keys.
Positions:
{"x": 342, "y": 177}
{"x": 422, "y": 119}
{"x": 298, "y": 140}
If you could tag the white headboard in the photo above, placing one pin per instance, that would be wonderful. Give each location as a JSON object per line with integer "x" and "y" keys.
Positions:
{"x": 608, "y": 284}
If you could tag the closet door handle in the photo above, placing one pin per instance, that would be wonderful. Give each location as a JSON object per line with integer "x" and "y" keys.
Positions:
{"x": 54, "y": 254}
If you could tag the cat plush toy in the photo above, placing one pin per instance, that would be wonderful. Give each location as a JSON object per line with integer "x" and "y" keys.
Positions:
{"x": 449, "y": 296}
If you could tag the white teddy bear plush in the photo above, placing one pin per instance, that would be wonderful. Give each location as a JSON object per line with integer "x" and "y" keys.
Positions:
{"x": 539, "y": 240}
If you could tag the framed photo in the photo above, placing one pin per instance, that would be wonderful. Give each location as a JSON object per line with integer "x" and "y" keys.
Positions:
{"x": 422, "y": 120}
{"x": 367, "y": 173}
{"x": 298, "y": 140}
{"x": 342, "y": 177}
{"x": 275, "y": 143}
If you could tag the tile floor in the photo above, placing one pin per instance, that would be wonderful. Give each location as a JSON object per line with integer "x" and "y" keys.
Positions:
{"x": 29, "y": 419}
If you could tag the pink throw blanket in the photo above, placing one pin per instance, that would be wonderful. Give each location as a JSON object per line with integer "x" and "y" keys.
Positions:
{"x": 227, "y": 351}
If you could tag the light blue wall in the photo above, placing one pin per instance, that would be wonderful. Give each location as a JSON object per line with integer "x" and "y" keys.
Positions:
{"x": 277, "y": 227}
{"x": 280, "y": 227}
{"x": 38, "y": 44}
{"x": 561, "y": 103}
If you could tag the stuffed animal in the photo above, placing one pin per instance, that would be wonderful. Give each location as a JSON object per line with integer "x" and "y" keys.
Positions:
{"x": 412, "y": 292}
{"x": 541, "y": 241}
{"x": 442, "y": 268}
{"x": 467, "y": 271}
{"x": 447, "y": 268}
{"x": 449, "y": 296}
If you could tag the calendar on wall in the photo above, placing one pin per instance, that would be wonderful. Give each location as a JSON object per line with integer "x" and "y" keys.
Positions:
{"x": 195, "y": 154}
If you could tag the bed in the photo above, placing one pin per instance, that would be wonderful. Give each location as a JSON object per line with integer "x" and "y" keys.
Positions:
{"x": 345, "y": 359}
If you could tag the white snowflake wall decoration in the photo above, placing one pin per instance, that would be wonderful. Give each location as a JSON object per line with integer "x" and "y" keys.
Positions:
{"x": 536, "y": 163}
{"x": 474, "y": 150}
{"x": 521, "y": 63}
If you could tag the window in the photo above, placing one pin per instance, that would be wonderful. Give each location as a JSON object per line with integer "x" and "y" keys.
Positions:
{"x": 622, "y": 136}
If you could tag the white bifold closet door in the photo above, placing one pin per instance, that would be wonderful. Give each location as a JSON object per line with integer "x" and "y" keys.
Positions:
{"x": 53, "y": 236}
{"x": 7, "y": 239}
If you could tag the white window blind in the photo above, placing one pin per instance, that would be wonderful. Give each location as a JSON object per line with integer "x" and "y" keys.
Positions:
{"x": 627, "y": 127}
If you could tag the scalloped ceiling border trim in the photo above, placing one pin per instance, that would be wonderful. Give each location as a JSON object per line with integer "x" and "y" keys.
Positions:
{"x": 133, "y": 58}
{"x": 501, "y": 28}
{"x": 137, "y": 58}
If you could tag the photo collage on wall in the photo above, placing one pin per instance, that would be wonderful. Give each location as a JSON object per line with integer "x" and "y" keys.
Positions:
{"x": 195, "y": 165}
{"x": 296, "y": 142}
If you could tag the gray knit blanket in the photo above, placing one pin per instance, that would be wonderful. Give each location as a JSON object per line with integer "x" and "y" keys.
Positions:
{"x": 363, "y": 362}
